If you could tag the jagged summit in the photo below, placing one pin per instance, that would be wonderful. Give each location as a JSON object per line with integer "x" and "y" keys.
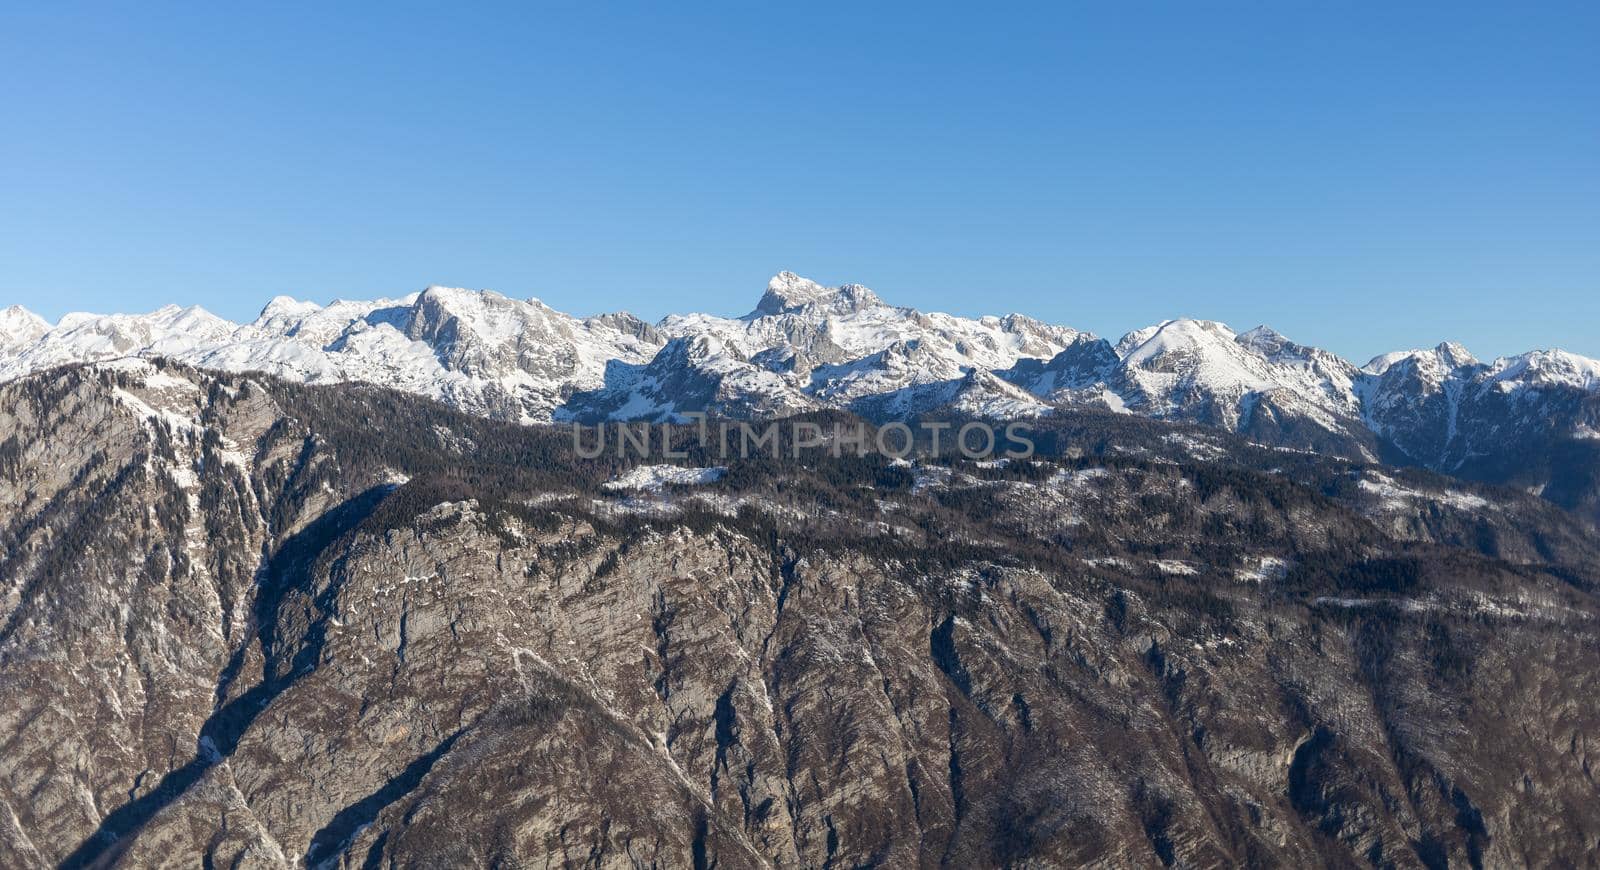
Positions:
{"x": 625, "y": 322}
{"x": 1455, "y": 353}
{"x": 1264, "y": 339}
{"x": 788, "y": 293}
{"x": 1446, "y": 356}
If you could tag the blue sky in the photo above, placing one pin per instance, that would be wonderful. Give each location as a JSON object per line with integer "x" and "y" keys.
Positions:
{"x": 1360, "y": 175}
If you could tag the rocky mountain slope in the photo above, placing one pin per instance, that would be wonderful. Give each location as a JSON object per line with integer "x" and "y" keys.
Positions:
{"x": 247, "y": 622}
{"x": 1531, "y": 420}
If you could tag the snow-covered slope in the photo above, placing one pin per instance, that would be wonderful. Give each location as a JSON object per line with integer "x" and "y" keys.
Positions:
{"x": 1259, "y": 383}
{"x": 699, "y": 374}
{"x": 1545, "y": 368}
{"x": 1201, "y": 370}
{"x": 976, "y": 393}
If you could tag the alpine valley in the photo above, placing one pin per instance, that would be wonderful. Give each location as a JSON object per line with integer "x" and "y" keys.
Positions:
{"x": 334, "y": 588}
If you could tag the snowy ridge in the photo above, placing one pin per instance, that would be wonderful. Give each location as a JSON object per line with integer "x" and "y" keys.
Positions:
{"x": 806, "y": 347}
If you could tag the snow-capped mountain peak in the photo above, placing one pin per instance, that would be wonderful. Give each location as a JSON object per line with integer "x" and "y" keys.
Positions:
{"x": 19, "y": 326}
{"x": 190, "y": 320}
{"x": 284, "y": 313}
{"x": 1190, "y": 339}
{"x": 788, "y": 293}
{"x": 1189, "y": 368}
{"x": 280, "y": 306}
{"x": 1547, "y": 368}
{"x": 1201, "y": 370}
{"x": 1455, "y": 354}
{"x": 488, "y": 318}
{"x": 1264, "y": 340}
{"x": 1445, "y": 357}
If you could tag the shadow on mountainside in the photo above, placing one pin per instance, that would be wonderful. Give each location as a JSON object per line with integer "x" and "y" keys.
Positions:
{"x": 289, "y": 569}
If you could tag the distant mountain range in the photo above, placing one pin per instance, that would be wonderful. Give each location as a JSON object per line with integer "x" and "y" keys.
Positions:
{"x": 1531, "y": 420}
{"x": 247, "y": 621}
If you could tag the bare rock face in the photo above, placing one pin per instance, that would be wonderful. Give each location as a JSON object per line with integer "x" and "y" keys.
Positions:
{"x": 250, "y": 624}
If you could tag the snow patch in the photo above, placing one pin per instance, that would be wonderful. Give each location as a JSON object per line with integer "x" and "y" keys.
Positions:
{"x": 654, "y": 478}
{"x": 1266, "y": 569}
{"x": 1175, "y": 567}
{"x": 1396, "y": 497}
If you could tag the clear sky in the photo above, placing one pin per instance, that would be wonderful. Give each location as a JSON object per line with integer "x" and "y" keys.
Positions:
{"x": 1363, "y": 176}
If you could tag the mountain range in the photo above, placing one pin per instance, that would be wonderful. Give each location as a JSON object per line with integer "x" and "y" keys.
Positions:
{"x": 1530, "y": 420}
{"x": 247, "y": 622}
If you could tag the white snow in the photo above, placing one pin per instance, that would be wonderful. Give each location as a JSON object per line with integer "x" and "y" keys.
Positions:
{"x": 929, "y": 476}
{"x": 654, "y": 478}
{"x": 1073, "y": 478}
{"x": 1394, "y": 496}
{"x": 1175, "y": 567}
{"x": 1266, "y": 568}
